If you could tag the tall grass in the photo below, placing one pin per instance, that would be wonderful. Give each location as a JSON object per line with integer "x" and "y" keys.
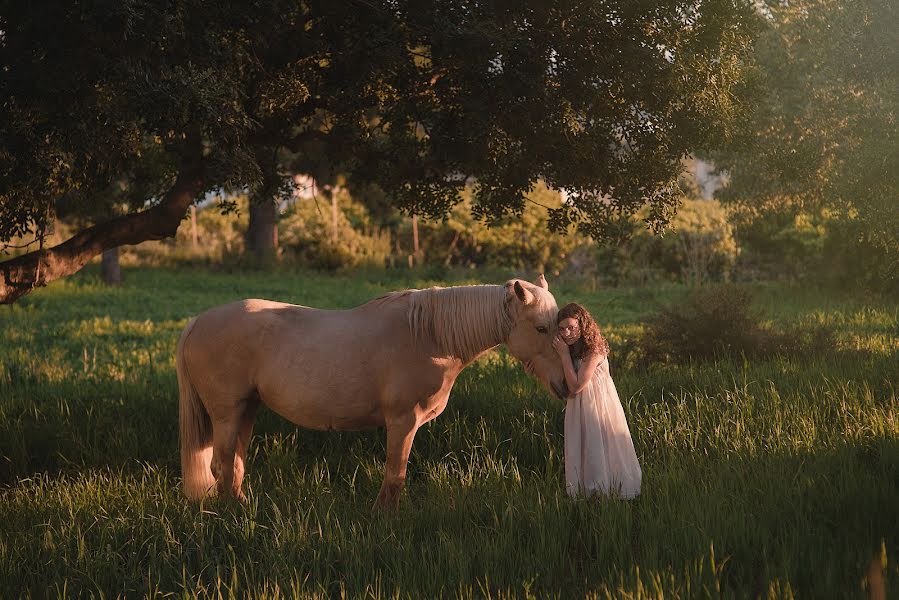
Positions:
{"x": 761, "y": 478}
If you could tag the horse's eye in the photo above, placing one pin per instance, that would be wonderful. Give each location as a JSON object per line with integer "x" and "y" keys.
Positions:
{"x": 541, "y": 328}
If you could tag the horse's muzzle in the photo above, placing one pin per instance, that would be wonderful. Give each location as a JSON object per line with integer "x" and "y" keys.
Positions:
{"x": 560, "y": 390}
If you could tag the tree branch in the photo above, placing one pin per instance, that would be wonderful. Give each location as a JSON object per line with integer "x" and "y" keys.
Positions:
{"x": 22, "y": 274}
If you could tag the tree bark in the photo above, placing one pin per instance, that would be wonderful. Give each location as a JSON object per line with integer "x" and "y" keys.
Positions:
{"x": 262, "y": 232}
{"x": 24, "y": 273}
{"x": 110, "y": 267}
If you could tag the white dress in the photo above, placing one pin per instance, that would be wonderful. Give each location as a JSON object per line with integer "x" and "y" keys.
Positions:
{"x": 599, "y": 452}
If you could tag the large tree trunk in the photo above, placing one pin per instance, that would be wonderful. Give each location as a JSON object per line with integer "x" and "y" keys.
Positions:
{"x": 262, "y": 232}
{"x": 112, "y": 271}
{"x": 24, "y": 273}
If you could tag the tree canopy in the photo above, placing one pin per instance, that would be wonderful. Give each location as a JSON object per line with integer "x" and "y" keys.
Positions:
{"x": 824, "y": 133}
{"x": 151, "y": 103}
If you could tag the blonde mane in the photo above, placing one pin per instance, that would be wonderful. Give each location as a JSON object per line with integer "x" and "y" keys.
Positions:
{"x": 462, "y": 321}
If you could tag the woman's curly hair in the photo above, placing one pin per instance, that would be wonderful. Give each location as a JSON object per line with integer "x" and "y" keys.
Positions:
{"x": 592, "y": 340}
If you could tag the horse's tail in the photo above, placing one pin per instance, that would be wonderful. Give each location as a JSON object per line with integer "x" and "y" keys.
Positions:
{"x": 196, "y": 429}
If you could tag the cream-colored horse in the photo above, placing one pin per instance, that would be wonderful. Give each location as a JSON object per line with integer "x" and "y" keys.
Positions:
{"x": 391, "y": 362}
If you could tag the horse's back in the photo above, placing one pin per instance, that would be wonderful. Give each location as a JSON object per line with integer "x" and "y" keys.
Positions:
{"x": 321, "y": 369}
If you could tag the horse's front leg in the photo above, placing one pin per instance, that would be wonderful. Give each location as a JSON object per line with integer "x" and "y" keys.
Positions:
{"x": 400, "y": 434}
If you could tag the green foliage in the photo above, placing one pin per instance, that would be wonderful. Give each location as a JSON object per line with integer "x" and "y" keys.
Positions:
{"x": 308, "y": 235}
{"x": 700, "y": 247}
{"x": 784, "y": 239}
{"x": 781, "y": 240}
{"x": 773, "y": 474}
{"x": 221, "y": 233}
{"x": 307, "y": 238}
{"x": 824, "y": 133}
{"x": 418, "y": 97}
{"x": 721, "y": 321}
{"x": 220, "y": 229}
{"x": 850, "y": 257}
{"x": 712, "y": 322}
{"x": 523, "y": 242}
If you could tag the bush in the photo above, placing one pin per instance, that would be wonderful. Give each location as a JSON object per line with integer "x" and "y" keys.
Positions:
{"x": 719, "y": 321}
{"x": 306, "y": 234}
{"x": 699, "y": 248}
{"x": 850, "y": 258}
{"x": 712, "y": 321}
{"x": 779, "y": 241}
{"x": 521, "y": 242}
{"x": 220, "y": 238}
{"x": 783, "y": 239}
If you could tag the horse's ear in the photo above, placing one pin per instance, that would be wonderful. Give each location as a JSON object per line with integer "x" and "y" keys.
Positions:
{"x": 541, "y": 282}
{"x": 524, "y": 295}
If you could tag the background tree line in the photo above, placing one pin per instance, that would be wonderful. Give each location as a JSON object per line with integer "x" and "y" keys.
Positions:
{"x": 118, "y": 119}
{"x": 144, "y": 106}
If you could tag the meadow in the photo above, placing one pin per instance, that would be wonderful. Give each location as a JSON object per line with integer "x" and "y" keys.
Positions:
{"x": 762, "y": 478}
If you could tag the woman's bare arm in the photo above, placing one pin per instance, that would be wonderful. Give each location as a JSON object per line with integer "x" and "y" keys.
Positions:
{"x": 585, "y": 373}
{"x": 576, "y": 380}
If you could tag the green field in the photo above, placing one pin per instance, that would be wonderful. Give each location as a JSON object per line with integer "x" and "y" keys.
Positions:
{"x": 761, "y": 478}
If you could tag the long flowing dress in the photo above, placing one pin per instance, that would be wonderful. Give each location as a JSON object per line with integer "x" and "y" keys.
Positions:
{"x": 599, "y": 451}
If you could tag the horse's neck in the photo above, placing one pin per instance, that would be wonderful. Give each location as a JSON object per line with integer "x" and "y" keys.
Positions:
{"x": 463, "y": 322}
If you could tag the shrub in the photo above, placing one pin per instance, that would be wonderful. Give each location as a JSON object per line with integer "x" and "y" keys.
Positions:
{"x": 699, "y": 248}
{"x": 783, "y": 239}
{"x": 306, "y": 234}
{"x": 712, "y": 321}
{"x": 521, "y": 242}
{"x": 718, "y": 321}
{"x": 220, "y": 238}
{"x": 779, "y": 240}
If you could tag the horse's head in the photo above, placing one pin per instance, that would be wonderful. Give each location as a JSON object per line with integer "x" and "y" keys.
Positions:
{"x": 533, "y": 311}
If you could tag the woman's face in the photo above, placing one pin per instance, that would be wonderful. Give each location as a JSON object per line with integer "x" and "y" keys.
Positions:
{"x": 570, "y": 330}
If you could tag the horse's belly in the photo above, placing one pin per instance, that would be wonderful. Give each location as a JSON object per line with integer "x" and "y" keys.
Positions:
{"x": 335, "y": 416}
{"x": 341, "y": 423}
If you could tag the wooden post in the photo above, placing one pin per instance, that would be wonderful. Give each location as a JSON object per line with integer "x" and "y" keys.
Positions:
{"x": 452, "y": 246}
{"x": 193, "y": 226}
{"x": 415, "y": 249}
{"x": 333, "y": 217}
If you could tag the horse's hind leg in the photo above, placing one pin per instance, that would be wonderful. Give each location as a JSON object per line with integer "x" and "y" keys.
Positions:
{"x": 224, "y": 446}
{"x": 244, "y": 434}
{"x": 226, "y": 397}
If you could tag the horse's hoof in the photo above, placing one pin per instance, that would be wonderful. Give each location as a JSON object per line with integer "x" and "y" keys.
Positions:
{"x": 383, "y": 506}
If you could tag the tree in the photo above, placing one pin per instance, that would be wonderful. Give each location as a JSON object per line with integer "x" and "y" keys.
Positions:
{"x": 262, "y": 230}
{"x": 824, "y": 135}
{"x": 600, "y": 98}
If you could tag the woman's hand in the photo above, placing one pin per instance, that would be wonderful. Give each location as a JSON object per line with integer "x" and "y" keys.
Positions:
{"x": 560, "y": 346}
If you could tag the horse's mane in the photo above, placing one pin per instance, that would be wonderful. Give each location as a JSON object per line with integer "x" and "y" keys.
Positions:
{"x": 462, "y": 321}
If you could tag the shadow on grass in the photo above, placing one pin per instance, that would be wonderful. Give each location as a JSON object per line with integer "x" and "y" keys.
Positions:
{"x": 486, "y": 503}
{"x": 809, "y": 521}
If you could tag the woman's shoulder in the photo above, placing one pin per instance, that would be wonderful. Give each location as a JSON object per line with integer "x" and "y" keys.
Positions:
{"x": 597, "y": 357}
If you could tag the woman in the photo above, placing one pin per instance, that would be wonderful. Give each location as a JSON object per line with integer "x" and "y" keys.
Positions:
{"x": 599, "y": 452}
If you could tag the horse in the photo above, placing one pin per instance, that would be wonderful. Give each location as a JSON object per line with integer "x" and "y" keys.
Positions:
{"x": 388, "y": 363}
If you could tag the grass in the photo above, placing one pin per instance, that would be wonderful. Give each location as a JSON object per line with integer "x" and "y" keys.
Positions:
{"x": 761, "y": 479}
